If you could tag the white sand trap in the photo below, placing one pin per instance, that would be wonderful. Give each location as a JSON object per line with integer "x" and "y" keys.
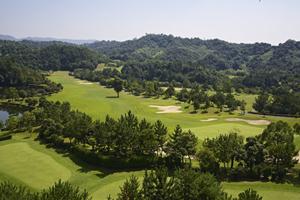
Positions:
{"x": 298, "y": 157}
{"x": 209, "y": 120}
{"x": 85, "y": 82}
{"x": 249, "y": 121}
{"x": 167, "y": 109}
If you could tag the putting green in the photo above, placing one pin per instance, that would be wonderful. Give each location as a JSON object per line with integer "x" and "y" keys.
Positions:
{"x": 36, "y": 169}
{"x": 224, "y": 128}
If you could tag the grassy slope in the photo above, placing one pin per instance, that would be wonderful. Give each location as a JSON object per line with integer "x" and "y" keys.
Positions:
{"x": 98, "y": 101}
{"x": 43, "y": 164}
{"x": 93, "y": 100}
{"x": 25, "y": 161}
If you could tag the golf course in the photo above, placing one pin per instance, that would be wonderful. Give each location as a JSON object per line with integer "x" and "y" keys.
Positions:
{"x": 27, "y": 162}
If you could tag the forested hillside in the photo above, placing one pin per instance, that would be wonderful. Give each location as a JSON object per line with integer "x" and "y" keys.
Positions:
{"x": 166, "y": 58}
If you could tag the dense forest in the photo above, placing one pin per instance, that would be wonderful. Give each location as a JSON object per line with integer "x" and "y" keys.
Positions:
{"x": 167, "y": 58}
{"x": 154, "y": 61}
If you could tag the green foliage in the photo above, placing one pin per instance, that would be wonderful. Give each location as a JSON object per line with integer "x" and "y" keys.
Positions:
{"x": 63, "y": 190}
{"x": 130, "y": 190}
{"x": 249, "y": 194}
{"x": 117, "y": 85}
{"x": 181, "y": 144}
{"x": 59, "y": 191}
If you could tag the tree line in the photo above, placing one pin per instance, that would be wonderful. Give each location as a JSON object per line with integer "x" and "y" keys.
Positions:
{"x": 193, "y": 94}
{"x": 159, "y": 184}
{"x": 268, "y": 156}
{"x": 280, "y": 101}
{"x": 17, "y": 81}
{"x": 183, "y": 184}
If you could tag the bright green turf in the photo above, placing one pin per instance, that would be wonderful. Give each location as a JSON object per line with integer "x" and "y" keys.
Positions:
{"x": 96, "y": 101}
{"x": 222, "y": 128}
{"x": 33, "y": 168}
{"x": 98, "y": 182}
{"x": 25, "y": 161}
{"x": 269, "y": 191}
{"x": 93, "y": 100}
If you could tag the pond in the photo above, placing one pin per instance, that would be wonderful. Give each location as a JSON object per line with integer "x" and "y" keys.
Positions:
{"x": 6, "y": 110}
{"x": 3, "y": 115}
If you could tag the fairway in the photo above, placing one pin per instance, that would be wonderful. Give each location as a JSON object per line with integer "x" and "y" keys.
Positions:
{"x": 44, "y": 165}
{"x": 36, "y": 169}
{"x": 26, "y": 162}
{"x": 269, "y": 191}
{"x": 98, "y": 101}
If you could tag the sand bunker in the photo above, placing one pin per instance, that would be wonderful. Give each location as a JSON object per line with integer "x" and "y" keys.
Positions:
{"x": 167, "y": 109}
{"x": 249, "y": 121}
{"x": 209, "y": 120}
{"x": 298, "y": 157}
{"x": 85, "y": 83}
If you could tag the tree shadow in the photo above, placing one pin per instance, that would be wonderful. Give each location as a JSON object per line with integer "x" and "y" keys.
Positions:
{"x": 111, "y": 97}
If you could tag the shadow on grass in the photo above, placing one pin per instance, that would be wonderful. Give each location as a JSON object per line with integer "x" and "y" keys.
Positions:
{"x": 112, "y": 97}
{"x": 85, "y": 167}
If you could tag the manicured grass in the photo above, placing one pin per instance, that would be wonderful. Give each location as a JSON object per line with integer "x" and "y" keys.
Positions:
{"x": 36, "y": 169}
{"x": 25, "y": 161}
{"x": 39, "y": 166}
{"x": 98, "y": 101}
{"x": 269, "y": 191}
{"x": 222, "y": 128}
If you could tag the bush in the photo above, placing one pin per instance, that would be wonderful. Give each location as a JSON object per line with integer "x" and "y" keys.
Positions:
{"x": 5, "y": 137}
{"x": 111, "y": 161}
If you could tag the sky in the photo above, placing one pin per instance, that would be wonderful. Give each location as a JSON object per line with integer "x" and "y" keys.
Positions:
{"x": 247, "y": 21}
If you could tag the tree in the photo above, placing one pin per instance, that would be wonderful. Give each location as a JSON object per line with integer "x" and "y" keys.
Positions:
{"x": 182, "y": 144}
{"x": 183, "y": 95}
{"x": 59, "y": 191}
{"x": 13, "y": 192}
{"x": 64, "y": 190}
{"x": 117, "y": 85}
{"x": 12, "y": 123}
{"x": 249, "y": 194}
{"x": 28, "y": 120}
{"x": 278, "y": 139}
{"x": 1, "y": 125}
{"x": 207, "y": 161}
{"x": 262, "y": 103}
{"x": 297, "y": 128}
{"x": 226, "y": 147}
{"x": 161, "y": 132}
{"x": 130, "y": 190}
{"x": 191, "y": 185}
{"x": 219, "y": 99}
{"x": 170, "y": 91}
{"x": 243, "y": 107}
{"x": 158, "y": 185}
{"x": 254, "y": 153}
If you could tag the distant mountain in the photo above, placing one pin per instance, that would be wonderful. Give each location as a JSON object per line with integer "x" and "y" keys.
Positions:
{"x": 7, "y": 37}
{"x": 215, "y": 53}
{"x": 47, "y": 39}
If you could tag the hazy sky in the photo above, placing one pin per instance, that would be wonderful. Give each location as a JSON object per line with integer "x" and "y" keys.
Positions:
{"x": 272, "y": 21}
